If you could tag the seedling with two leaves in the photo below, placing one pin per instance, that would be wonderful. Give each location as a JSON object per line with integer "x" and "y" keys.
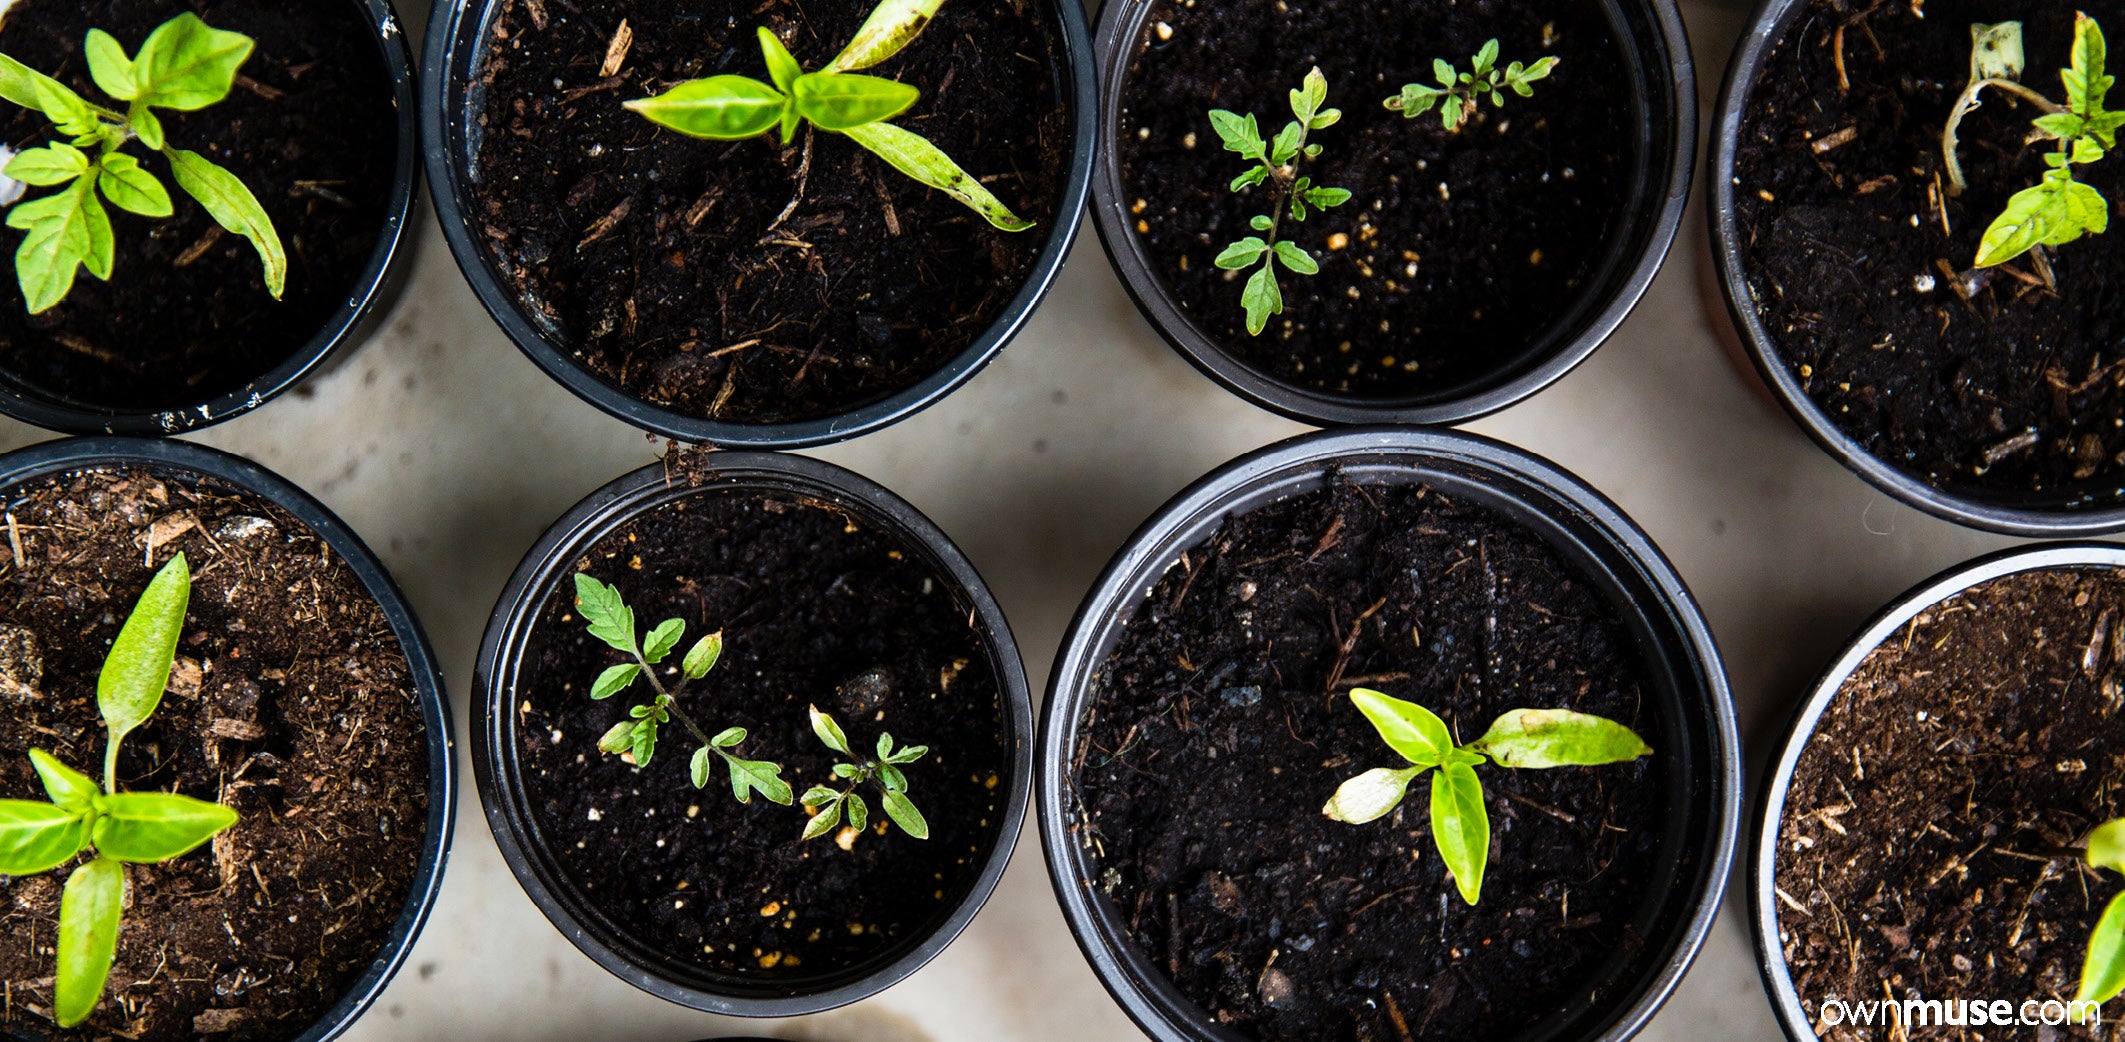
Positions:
{"x": 1459, "y": 93}
{"x": 117, "y": 828}
{"x": 835, "y": 99}
{"x": 1460, "y": 826}
{"x": 183, "y": 66}
{"x": 829, "y": 804}
{"x": 1276, "y": 162}
{"x": 609, "y": 619}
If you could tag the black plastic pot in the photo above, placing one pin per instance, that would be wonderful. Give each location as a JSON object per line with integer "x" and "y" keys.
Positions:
{"x": 1664, "y": 97}
{"x": 457, "y": 31}
{"x": 1771, "y": 801}
{"x": 196, "y": 464}
{"x": 2013, "y": 515}
{"x": 495, "y": 747}
{"x": 1696, "y": 707}
{"x": 368, "y": 301}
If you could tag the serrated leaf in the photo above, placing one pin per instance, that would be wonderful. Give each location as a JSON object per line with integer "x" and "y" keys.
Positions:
{"x": 892, "y": 25}
{"x": 1296, "y": 259}
{"x": 232, "y": 206}
{"x": 55, "y": 164}
{"x": 38, "y": 837}
{"x": 69, "y": 789}
{"x": 605, "y": 614}
{"x": 1262, "y": 298}
{"x": 1411, "y": 730}
{"x": 2061, "y": 125}
{"x": 823, "y": 822}
{"x": 703, "y": 656}
{"x": 899, "y": 808}
{"x": 1371, "y": 795}
{"x": 89, "y": 911}
{"x": 914, "y": 155}
{"x": 1241, "y": 254}
{"x": 131, "y": 188}
{"x": 152, "y": 827}
{"x": 1443, "y": 71}
{"x": 1461, "y": 826}
{"x": 188, "y": 65}
{"x": 109, "y": 66}
{"x": 1239, "y": 133}
{"x": 1538, "y": 738}
{"x": 137, "y": 669}
{"x": 718, "y": 108}
{"x": 614, "y": 680}
{"x": 859, "y": 812}
{"x": 748, "y": 776}
{"x": 662, "y": 639}
{"x": 829, "y": 732}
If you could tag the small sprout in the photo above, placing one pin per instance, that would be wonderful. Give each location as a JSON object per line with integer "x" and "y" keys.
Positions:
{"x": 1459, "y": 93}
{"x": 1276, "y": 162}
{"x": 2058, "y": 209}
{"x": 608, "y": 618}
{"x": 121, "y": 828}
{"x": 184, "y": 66}
{"x": 2103, "y": 968}
{"x": 1460, "y": 826}
{"x": 835, "y": 100}
{"x": 882, "y": 771}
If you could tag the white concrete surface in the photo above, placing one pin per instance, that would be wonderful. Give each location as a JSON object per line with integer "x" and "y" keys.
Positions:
{"x": 449, "y": 452}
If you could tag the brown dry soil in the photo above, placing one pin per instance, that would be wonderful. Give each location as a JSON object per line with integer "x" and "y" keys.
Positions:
{"x": 291, "y": 702}
{"x": 1844, "y": 225}
{"x": 816, "y": 607}
{"x": 1925, "y": 850}
{"x": 745, "y": 281}
{"x": 186, "y": 317}
{"x": 1459, "y": 250}
{"x": 1285, "y": 925}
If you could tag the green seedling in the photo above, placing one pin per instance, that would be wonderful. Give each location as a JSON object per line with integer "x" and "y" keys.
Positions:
{"x": 1276, "y": 163}
{"x": 609, "y": 619}
{"x": 2103, "y": 968}
{"x": 184, "y": 66}
{"x": 2058, "y": 209}
{"x": 116, "y": 828}
{"x": 1459, "y": 93}
{"x": 829, "y": 804}
{"x": 834, "y": 99}
{"x": 1460, "y": 826}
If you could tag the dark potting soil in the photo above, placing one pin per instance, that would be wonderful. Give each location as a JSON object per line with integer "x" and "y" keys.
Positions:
{"x": 744, "y": 281}
{"x": 312, "y": 130}
{"x": 1845, "y": 221}
{"x": 1925, "y": 838}
{"x": 291, "y": 702}
{"x": 1233, "y": 676}
{"x": 816, "y": 607}
{"x": 1456, "y": 252}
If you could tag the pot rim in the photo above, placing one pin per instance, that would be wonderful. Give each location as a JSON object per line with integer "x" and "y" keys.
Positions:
{"x": 349, "y": 324}
{"x": 168, "y": 456}
{"x": 1767, "y": 27}
{"x": 445, "y": 67}
{"x": 1800, "y": 730}
{"x": 495, "y": 752}
{"x": 1532, "y": 483}
{"x": 1661, "y": 194}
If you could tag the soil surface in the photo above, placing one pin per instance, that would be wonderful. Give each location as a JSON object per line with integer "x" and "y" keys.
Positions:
{"x": 1845, "y": 225}
{"x": 744, "y": 281}
{"x": 290, "y": 702}
{"x": 1457, "y": 251}
{"x": 1233, "y": 676}
{"x": 1925, "y": 842}
{"x": 816, "y": 607}
{"x": 312, "y": 130}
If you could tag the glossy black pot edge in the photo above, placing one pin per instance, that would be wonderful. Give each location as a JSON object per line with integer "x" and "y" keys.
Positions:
{"x": 454, "y": 28}
{"x": 494, "y": 748}
{"x": 1771, "y": 799}
{"x": 1661, "y": 192}
{"x": 2004, "y": 514}
{"x": 368, "y": 300}
{"x": 1578, "y": 522}
{"x": 69, "y": 455}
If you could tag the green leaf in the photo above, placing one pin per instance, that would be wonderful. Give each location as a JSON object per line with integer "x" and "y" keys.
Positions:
{"x": 89, "y": 912}
{"x": 1306, "y": 102}
{"x": 131, "y": 188}
{"x": 109, "y": 67}
{"x": 103, "y": 245}
{"x": 1242, "y": 254}
{"x": 146, "y": 125}
{"x": 885, "y": 744}
{"x": 75, "y": 116}
{"x": 747, "y": 776}
{"x": 1328, "y": 198}
{"x": 1371, "y": 795}
{"x": 644, "y": 745}
{"x": 187, "y": 65}
{"x": 782, "y": 66}
{"x": 2021, "y": 225}
{"x": 662, "y": 639}
{"x": 1443, "y": 71}
{"x": 2103, "y": 968}
{"x": 152, "y": 827}
{"x": 728, "y": 738}
{"x": 67, "y": 787}
{"x": 1262, "y": 298}
{"x": 2106, "y": 846}
{"x": 1408, "y": 728}
{"x": 1286, "y": 145}
{"x": 847, "y": 771}
{"x": 823, "y": 822}
{"x": 2062, "y": 126}
{"x": 233, "y": 206}
{"x": 53, "y": 251}
{"x": 910, "y": 754}
{"x": 703, "y": 656}
{"x": 20, "y": 84}
{"x": 2089, "y": 56}
{"x": 892, "y": 778}
{"x": 605, "y": 614}
{"x": 1261, "y": 222}
{"x": 38, "y": 837}
{"x": 614, "y": 680}
{"x": 719, "y": 108}
{"x": 1461, "y": 826}
{"x": 1297, "y": 259}
{"x": 138, "y": 667}
{"x": 841, "y": 102}
{"x": 1453, "y": 111}
{"x": 619, "y": 738}
{"x": 819, "y": 794}
{"x": 1415, "y": 100}
{"x": 43, "y": 167}
{"x": 698, "y": 767}
{"x": 913, "y": 155}
{"x": 1537, "y": 738}
{"x": 829, "y": 732}
{"x": 899, "y": 808}
{"x": 892, "y": 25}
{"x": 1253, "y": 175}
{"x": 859, "y": 812}
{"x": 1239, "y": 133}
{"x": 1487, "y": 57}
